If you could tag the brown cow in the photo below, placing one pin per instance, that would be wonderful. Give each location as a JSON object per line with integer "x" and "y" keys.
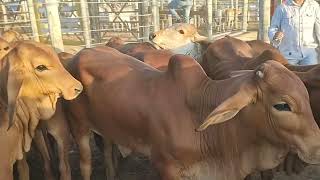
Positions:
{"x": 156, "y": 113}
{"x": 218, "y": 68}
{"x": 33, "y": 79}
{"x": 5, "y": 48}
{"x": 145, "y": 52}
{"x": 57, "y": 126}
{"x": 259, "y": 46}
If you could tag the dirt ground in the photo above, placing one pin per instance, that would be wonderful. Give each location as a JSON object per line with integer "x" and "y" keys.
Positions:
{"x": 134, "y": 167}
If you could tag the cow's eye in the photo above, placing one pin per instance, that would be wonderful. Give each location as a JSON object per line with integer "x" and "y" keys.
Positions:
{"x": 282, "y": 107}
{"x": 181, "y": 31}
{"x": 41, "y": 68}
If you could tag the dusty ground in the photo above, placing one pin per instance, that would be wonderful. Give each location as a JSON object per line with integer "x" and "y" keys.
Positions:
{"x": 134, "y": 167}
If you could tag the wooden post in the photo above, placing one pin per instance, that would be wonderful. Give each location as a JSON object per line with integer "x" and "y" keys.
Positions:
{"x": 85, "y": 23}
{"x": 236, "y": 14}
{"x": 209, "y": 25}
{"x": 245, "y": 14}
{"x": 231, "y": 4}
{"x": 34, "y": 27}
{"x": 54, "y": 24}
{"x": 155, "y": 15}
{"x": 264, "y": 19}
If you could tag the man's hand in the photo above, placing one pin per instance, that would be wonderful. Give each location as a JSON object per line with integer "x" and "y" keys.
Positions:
{"x": 278, "y": 36}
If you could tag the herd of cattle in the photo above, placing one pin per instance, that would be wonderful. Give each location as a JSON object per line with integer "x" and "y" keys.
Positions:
{"x": 198, "y": 109}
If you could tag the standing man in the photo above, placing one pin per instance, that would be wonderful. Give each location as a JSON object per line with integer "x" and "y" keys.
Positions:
{"x": 184, "y": 5}
{"x": 295, "y": 30}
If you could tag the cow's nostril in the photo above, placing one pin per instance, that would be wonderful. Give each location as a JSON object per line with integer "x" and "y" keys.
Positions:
{"x": 78, "y": 90}
{"x": 152, "y": 36}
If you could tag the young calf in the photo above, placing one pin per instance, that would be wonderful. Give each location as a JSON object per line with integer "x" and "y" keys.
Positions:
{"x": 32, "y": 79}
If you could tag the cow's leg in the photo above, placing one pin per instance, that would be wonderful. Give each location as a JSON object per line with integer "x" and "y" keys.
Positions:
{"x": 83, "y": 142}
{"x": 23, "y": 169}
{"x": 42, "y": 147}
{"x": 6, "y": 172}
{"x": 167, "y": 169}
{"x": 267, "y": 175}
{"x": 108, "y": 155}
{"x": 63, "y": 153}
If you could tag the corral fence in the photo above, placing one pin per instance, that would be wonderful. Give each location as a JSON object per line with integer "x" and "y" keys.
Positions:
{"x": 92, "y": 22}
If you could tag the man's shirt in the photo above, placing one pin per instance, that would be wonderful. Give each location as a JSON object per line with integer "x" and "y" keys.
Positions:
{"x": 300, "y": 25}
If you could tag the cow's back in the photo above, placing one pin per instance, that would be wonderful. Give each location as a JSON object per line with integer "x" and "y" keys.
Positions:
{"x": 127, "y": 100}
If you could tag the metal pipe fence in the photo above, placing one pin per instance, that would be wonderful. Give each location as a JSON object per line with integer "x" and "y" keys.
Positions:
{"x": 92, "y": 22}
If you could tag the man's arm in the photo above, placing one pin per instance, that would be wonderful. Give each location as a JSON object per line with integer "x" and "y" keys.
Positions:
{"x": 317, "y": 24}
{"x": 275, "y": 22}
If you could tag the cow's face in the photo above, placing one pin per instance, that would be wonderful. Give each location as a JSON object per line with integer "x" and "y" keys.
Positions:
{"x": 276, "y": 107}
{"x": 287, "y": 114}
{"x": 176, "y": 36}
{"x": 36, "y": 74}
{"x": 5, "y": 48}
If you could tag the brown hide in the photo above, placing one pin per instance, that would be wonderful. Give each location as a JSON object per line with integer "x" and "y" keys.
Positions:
{"x": 259, "y": 46}
{"x": 156, "y": 112}
{"x": 309, "y": 74}
{"x": 145, "y": 52}
{"x": 11, "y": 36}
{"x": 30, "y": 89}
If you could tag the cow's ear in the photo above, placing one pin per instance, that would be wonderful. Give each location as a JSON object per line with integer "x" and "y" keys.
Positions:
{"x": 198, "y": 37}
{"x": 229, "y": 108}
{"x": 14, "y": 86}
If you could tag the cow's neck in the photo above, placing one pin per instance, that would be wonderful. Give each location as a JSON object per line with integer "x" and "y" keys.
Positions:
{"x": 4, "y": 71}
{"x": 191, "y": 49}
{"x": 26, "y": 110}
{"x": 231, "y": 148}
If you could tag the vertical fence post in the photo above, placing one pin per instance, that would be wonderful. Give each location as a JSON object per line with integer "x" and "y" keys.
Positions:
{"x": 5, "y": 15}
{"x": 34, "y": 27}
{"x": 93, "y": 9}
{"x": 40, "y": 26}
{"x": 236, "y": 9}
{"x": 155, "y": 15}
{"x": 24, "y": 10}
{"x": 170, "y": 20}
{"x": 215, "y": 8}
{"x": 209, "y": 25}
{"x": 194, "y": 7}
{"x": 245, "y": 15}
{"x": 264, "y": 19}
{"x": 144, "y": 21}
{"x": 85, "y": 23}
{"x": 54, "y": 24}
{"x": 231, "y": 4}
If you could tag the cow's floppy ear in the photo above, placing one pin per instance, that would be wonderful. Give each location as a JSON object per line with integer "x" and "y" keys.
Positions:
{"x": 229, "y": 108}
{"x": 198, "y": 37}
{"x": 14, "y": 85}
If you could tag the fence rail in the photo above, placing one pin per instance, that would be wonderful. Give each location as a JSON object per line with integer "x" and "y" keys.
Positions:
{"x": 92, "y": 22}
